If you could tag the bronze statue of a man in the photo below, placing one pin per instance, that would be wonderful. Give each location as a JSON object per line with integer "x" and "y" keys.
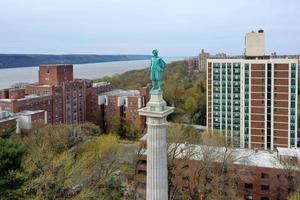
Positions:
{"x": 157, "y": 67}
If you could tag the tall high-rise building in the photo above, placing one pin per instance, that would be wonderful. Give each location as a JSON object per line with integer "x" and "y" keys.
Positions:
{"x": 202, "y": 60}
{"x": 253, "y": 100}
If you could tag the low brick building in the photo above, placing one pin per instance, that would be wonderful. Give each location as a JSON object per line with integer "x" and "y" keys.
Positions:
{"x": 12, "y": 93}
{"x": 118, "y": 105}
{"x": 28, "y": 102}
{"x": 271, "y": 175}
{"x": 30, "y": 120}
{"x": 6, "y": 121}
{"x": 24, "y": 121}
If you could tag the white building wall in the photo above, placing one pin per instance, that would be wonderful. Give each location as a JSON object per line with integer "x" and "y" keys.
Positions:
{"x": 255, "y": 44}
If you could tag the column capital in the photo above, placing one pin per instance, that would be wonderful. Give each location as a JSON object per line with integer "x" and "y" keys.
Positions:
{"x": 156, "y": 107}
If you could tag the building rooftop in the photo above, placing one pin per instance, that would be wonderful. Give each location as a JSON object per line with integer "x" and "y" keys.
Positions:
{"x": 291, "y": 152}
{"x": 197, "y": 127}
{"x": 38, "y": 85}
{"x": 32, "y": 96}
{"x": 58, "y": 65}
{"x": 249, "y": 157}
{"x": 281, "y": 59}
{"x": 7, "y": 119}
{"x": 4, "y": 114}
{"x": 29, "y": 112}
{"x": 99, "y": 84}
{"x": 6, "y": 100}
{"x": 120, "y": 93}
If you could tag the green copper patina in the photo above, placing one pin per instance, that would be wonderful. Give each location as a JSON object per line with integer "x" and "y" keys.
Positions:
{"x": 156, "y": 70}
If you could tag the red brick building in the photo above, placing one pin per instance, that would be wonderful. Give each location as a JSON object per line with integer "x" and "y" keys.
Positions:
{"x": 270, "y": 176}
{"x": 120, "y": 105}
{"x": 55, "y": 74}
{"x": 6, "y": 121}
{"x": 30, "y": 120}
{"x": 29, "y": 102}
{"x": 253, "y": 100}
{"x": 12, "y": 93}
{"x": 23, "y": 121}
{"x": 66, "y": 100}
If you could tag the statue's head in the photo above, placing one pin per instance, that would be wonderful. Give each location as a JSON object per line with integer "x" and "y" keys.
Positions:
{"x": 155, "y": 52}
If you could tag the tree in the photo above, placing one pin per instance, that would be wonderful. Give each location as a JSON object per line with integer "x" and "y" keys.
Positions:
{"x": 190, "y": 107}
{"x": 134, "y": 179}
{"x": 216, "y": 175}
{"x": 72, "y": 162}
{"x": 11, "y": 153}
{"x": 183, "y": 90}
{"x": 8, "y": 132}
{"x": 202, "y": 165}
{"x": 289, "y": 177}
{"x": 133, "y": 130}
{"x": 178, "y": 136}
{"x": 295, "y": 196}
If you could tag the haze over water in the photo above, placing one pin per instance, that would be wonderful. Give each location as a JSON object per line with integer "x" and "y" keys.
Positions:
{"x": 10, "y": 76}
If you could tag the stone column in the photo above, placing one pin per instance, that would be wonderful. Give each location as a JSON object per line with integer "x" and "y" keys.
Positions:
{"x": 156, "y": 112}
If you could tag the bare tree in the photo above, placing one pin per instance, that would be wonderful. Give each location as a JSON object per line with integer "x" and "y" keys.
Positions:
{"x": 289, "y": 179}
{"x": 180, "y": 151}
{"x": 204, "y": 167}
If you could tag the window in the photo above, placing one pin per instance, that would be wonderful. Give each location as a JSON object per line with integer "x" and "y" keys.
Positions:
{"x": 248, "y": 185}
{"x": 293, "y": 104}
{"x": 265, "y": 175}
{"x": 265, "y": 187}
{"x": 248, "y": 197}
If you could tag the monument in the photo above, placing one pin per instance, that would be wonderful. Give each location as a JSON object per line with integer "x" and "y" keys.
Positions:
{"x": 156, "y": 113}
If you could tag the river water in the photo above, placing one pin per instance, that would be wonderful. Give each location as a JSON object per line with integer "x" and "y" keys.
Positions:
{"x": 10, "y": 76}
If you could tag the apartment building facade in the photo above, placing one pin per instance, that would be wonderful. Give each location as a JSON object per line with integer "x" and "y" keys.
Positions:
{"x": 253, "y": 100}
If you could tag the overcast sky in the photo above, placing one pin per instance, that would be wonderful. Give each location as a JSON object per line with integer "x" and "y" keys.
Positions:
{"x": 175, "y": 27}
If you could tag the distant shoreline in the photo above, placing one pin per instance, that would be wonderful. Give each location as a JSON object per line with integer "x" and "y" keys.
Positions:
{"x": 28, "y": 60}
{"x": 11, "y": 76}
